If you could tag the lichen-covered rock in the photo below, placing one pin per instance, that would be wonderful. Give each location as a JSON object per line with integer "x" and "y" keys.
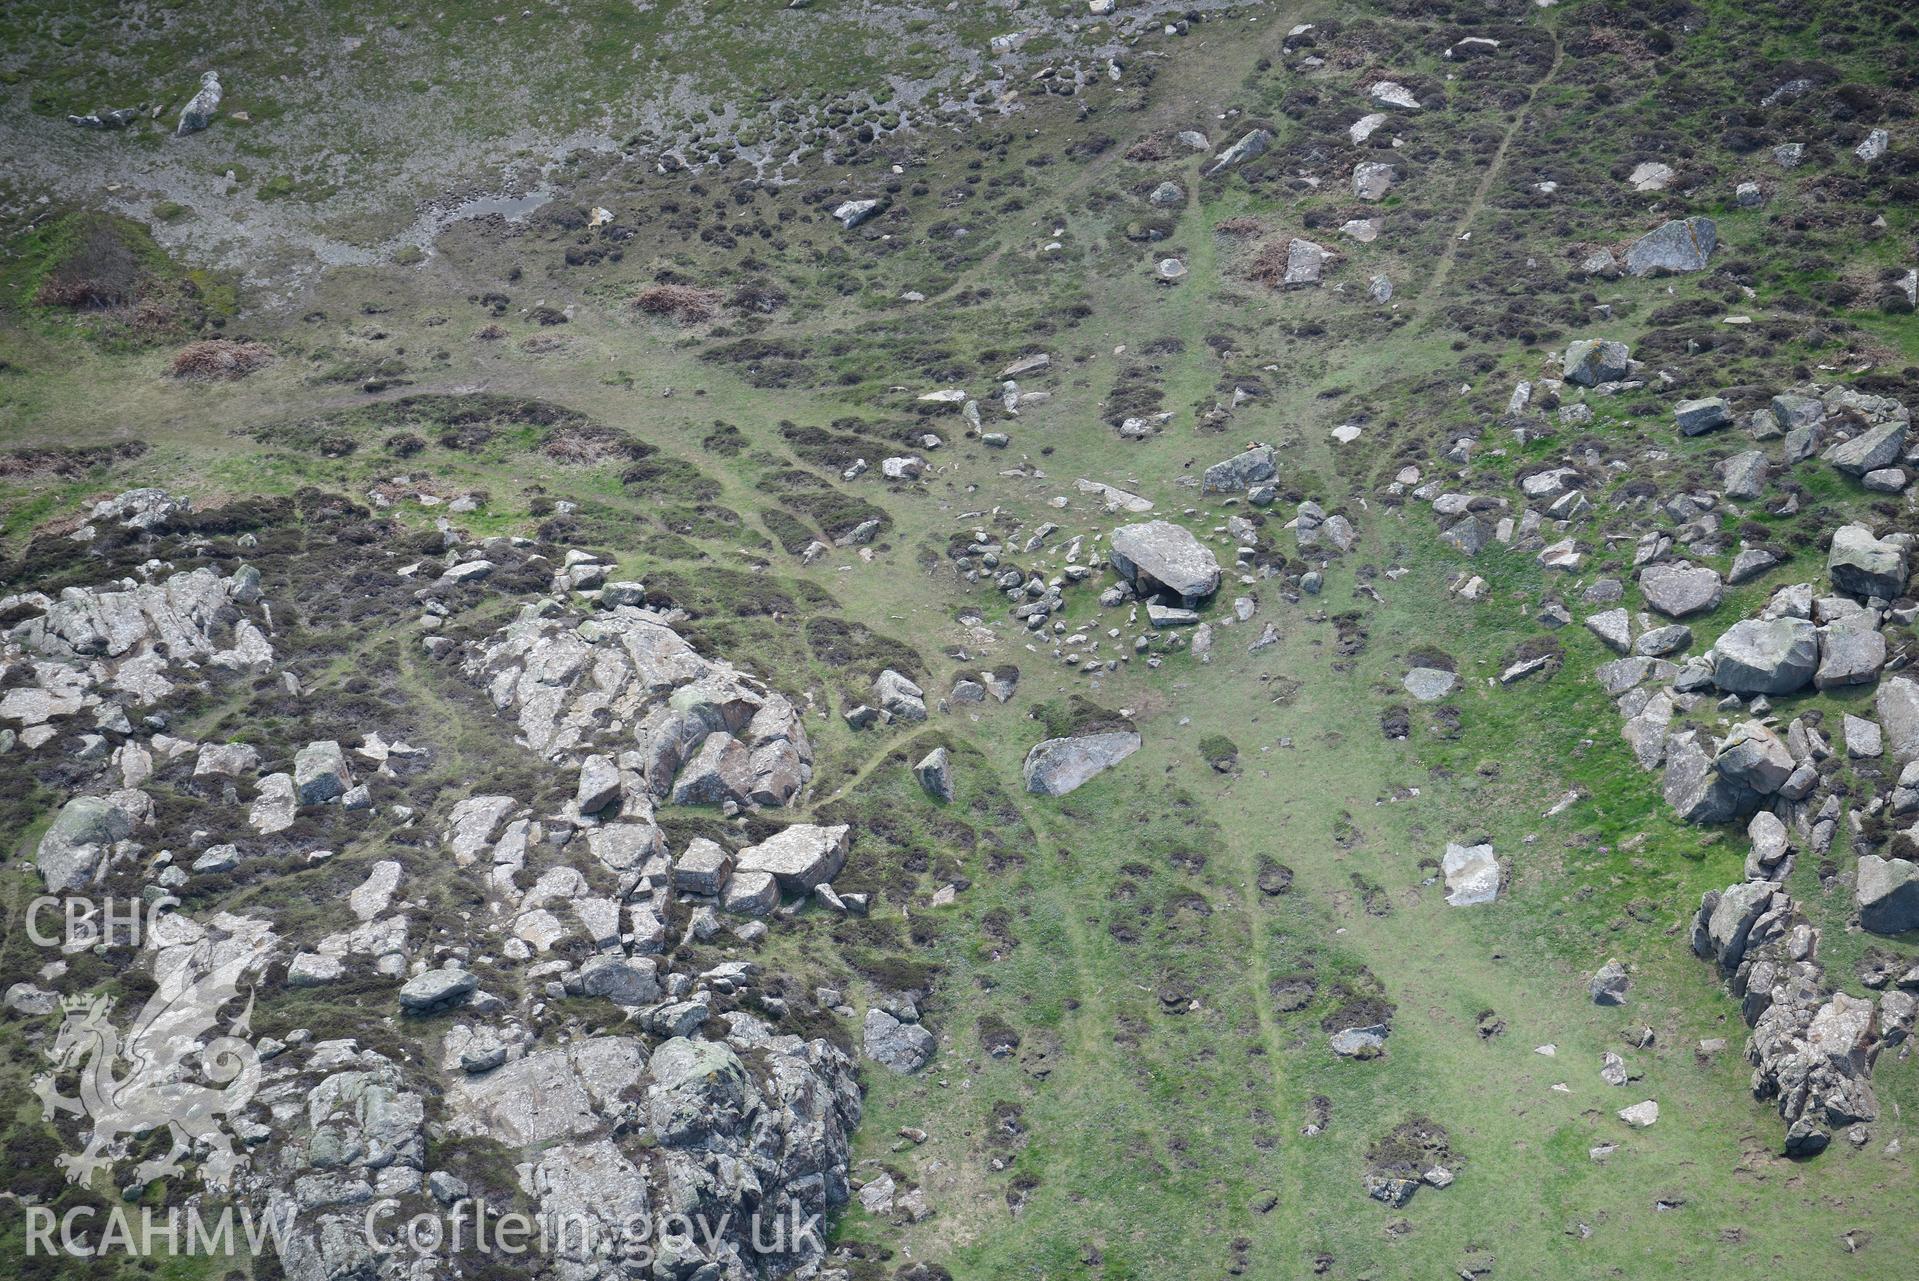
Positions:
{"x": 1060, "y": 765}
{"x": 799, "y": 857}
{"x": 1160, "y": 558}
{"x": 1765, "y": 656}
{"x": 1865, "y": 566}
{"x": 202, "y": 107}
{"x": 1682, "y": 245}
{"x": 1591, "y": 361}
{"x": 1240, "y": 472}
{"x": 1679, "y": 590}
{"x": 624, "y": 679}
{"x": 901, "y": 1047}
{"x": 1887, "y": 892}
{"x": 1870, "y": 450}
{"x": 935, "y": 774}
{"x": 76, "y": 846}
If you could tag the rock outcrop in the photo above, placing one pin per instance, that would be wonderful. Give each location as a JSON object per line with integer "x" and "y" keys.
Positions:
{"x": 694, "y": 729}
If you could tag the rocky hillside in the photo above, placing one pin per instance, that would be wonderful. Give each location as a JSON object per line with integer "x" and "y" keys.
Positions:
{"x": 896, "y": 641}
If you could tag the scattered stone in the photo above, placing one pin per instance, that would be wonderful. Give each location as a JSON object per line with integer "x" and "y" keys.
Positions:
{"x": 436, "y": 989}
{"x": 852, "y": 213}
{"x": 800, "y": 857}
{"x": 1887, "y": 893}
{"x": 1360, "y": 1042}
{"x": 1697, "y": 417}
{"x": 1640, "y": 1115}
{"x": 202, "y": 107}
{"x": 1651, "y": 175}
{"x": 1390, "y": 95}
{"x": 1864, "y": 566}
{"x": 1429, "y": 684}
{"x": 1252, "y": 145}
{"x": 1759, "y": 656}
{"x": 1373, "y": 179}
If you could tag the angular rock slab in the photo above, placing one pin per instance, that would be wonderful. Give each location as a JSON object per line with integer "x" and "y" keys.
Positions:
{"x": 1864, "y": 566}
{"x": 1061, "y": 765}
{"x": 1159, "y": 557}
{"x": 1765, "y": 656}
{"x": 1681, "y": 245}
{"x": 799, "y": 857}
{"x": 1679, "y": 590}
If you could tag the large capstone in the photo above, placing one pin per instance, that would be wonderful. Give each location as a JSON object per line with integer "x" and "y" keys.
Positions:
{"x": 1160, "y": 558}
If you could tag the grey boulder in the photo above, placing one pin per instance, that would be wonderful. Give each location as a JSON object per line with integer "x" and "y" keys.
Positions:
{"x": 935, "y": 774}
{"x": 852, "y": 213}
{"x": 1252, "y": 145}
{"x": 1758, "y": 656}
{"x": 71, "y": 852}
{"x": 1680, "y": 589}
{"x": 1472, "y": 875}
{"x": 1060, "y": 765}
{"x": 799, "y": 857}
{"x": 1870, "y": 450}
{"x": 1609, "y": 984}
{"x": 1681, "y": 245}
{"x": 1695, "y": 788}
{"x": 1896, "y": 707}
{"x": 899, "y": 696}
{"x": 1754, "y": 757}
{"x": 901, "y": 1047}
{"x": 320, "y": 773}
{"x": 1161, "y": 558}
{"x": 1697, "y": 417}
{"x": 1240, "y": 472}
{"x": 1887, "y": 892}
{"x": 1590, "y": 362}
{"x": 1849, "y": 656}
{"x": 1862, "y": 565}
{"x": 436, "y": 989}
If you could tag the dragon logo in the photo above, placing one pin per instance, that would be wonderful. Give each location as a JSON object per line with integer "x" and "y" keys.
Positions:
{"x": 152, "y": 1076}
